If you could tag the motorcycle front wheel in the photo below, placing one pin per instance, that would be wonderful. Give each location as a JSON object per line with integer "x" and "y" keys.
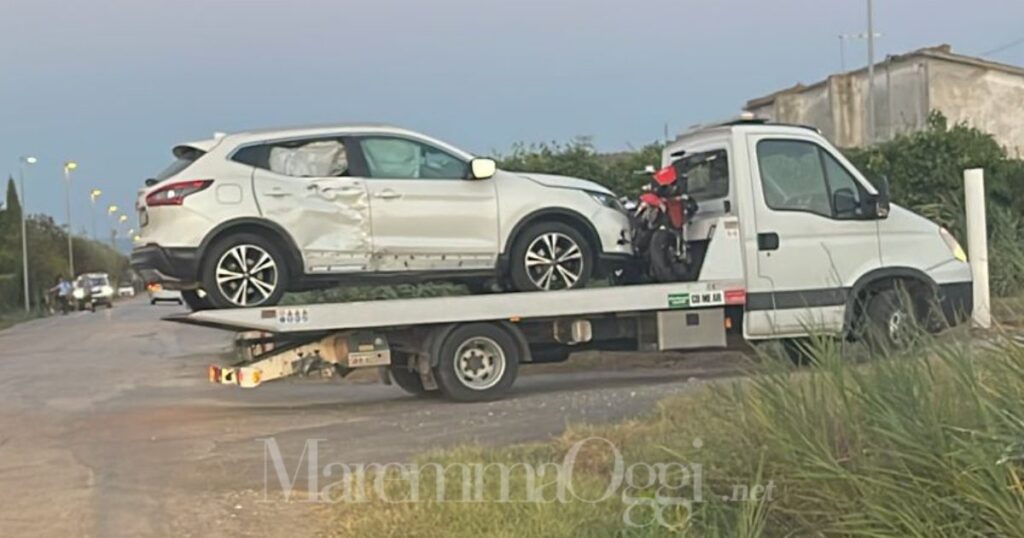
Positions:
{"x": 666, "y": 264}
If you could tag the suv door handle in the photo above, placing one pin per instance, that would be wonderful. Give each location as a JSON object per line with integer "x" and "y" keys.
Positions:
{"x": 277, "y": 193}
{"x": 341, "y": 190}
{"x": 768, "y": 241}
{"x": 387, "y": 195}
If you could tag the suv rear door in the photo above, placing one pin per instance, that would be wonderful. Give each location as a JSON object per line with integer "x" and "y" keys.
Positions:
{"x": 306, "y": 186}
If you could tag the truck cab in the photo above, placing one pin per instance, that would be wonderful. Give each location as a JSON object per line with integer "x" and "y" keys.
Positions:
{"x": 821, "y": 245}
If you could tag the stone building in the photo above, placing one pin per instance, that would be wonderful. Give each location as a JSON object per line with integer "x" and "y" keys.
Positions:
{"x": 984, "y": 94}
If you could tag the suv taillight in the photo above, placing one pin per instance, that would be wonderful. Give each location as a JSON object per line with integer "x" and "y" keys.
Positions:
{"x": 175, "y": 193}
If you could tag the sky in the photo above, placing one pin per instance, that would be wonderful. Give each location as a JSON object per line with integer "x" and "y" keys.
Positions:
{"x": 114, "y": 84}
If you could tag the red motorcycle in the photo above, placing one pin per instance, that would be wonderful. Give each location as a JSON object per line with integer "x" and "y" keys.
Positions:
{"x": 659, "y": 224}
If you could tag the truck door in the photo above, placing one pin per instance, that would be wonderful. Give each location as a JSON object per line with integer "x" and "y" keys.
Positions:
{"x": 814, "y": 236}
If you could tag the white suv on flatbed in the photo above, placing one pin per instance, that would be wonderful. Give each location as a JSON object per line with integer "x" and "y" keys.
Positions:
{"x": 245, "y": 217}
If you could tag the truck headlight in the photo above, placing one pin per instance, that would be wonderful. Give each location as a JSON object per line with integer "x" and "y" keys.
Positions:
{"x": 954, "y": 247}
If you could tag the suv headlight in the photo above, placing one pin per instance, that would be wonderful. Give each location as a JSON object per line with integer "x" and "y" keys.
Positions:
{"x": 78, "y": 293}
{"x": 607, "y": 200}
{"x": 954, "y": 247}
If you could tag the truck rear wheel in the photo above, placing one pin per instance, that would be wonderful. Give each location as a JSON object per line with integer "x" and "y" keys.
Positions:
{"x": 477, "y": 362}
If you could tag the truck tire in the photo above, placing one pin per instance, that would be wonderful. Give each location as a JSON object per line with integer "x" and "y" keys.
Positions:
{"x": 550, "y": 256}
{"x": 890, "y": 321}
{"x": 226, "y": 256}
{"x": 407, "y": 379}
{"x": 477, "y": 362}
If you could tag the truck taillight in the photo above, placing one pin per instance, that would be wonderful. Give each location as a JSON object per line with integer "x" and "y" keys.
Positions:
{"x": 175, "y": 193}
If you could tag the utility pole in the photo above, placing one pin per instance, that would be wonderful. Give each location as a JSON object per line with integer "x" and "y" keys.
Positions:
{"x": 871, "y": 73}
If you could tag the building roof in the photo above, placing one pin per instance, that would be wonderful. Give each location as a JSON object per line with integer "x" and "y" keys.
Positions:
{"x": 941, "y": 52}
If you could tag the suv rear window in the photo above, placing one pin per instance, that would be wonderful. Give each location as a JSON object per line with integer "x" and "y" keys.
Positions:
{"x": 185, "y": 157}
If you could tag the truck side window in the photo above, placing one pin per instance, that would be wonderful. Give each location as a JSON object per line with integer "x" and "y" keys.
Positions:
{"x": 801, "y": 176}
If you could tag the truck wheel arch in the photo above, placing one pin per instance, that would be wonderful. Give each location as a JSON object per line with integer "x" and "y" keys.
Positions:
{"x": 882, "y": 279}
{"x": 431, "y": 344}
{"x": 263, "y": 227}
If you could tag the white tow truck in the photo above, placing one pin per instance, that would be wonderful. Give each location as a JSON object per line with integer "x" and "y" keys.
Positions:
{"x": 790, "y": 238}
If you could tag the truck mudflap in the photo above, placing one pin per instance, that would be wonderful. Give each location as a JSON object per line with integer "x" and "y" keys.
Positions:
{"x": 339, "y": 352}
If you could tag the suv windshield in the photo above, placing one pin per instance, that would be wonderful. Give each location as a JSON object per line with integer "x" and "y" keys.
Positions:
{"x": 94, "y": 281}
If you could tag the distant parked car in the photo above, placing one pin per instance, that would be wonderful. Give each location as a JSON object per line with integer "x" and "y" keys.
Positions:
{"x": 92, "y": 290}
{"x": 247, "y": 216}
{"x": 159, "y": 294}
{"x": 126, "y": 290}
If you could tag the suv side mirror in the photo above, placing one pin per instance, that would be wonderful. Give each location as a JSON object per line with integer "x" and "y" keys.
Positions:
{"x": 482, "y": 168}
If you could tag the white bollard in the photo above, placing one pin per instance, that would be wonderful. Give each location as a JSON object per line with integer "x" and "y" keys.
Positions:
{"x": 977, "y": 245}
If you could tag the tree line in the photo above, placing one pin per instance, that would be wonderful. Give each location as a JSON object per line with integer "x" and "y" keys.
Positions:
{"x": 47, "y": 255}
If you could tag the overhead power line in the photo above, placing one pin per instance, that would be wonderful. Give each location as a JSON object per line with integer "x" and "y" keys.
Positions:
{"x": 1001, "y": 48}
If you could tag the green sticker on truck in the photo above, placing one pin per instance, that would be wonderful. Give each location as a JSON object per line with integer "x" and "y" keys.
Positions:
{"x": 696, "y": 300}
{"x": 679, "y": 300}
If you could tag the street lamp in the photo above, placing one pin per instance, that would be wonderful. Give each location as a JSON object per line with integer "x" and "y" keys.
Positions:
{"x": 68, "y": 167}
{"x": 111, "y": 210}
{"x": 93, "y": 195}
{"x": 25, "y": 160}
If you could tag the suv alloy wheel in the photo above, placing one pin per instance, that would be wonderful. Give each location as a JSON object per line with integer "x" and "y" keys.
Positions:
{"x": 550, "y": 256}
{"x": 244, "y": 270}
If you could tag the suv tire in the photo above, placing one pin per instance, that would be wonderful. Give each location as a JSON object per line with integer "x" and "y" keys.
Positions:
{"x": 550, "y": 256}
{"x": 262, "y": 280}
{"x": 195, "y": 301}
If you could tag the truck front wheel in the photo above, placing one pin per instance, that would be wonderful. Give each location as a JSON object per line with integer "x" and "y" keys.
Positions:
{"x": 477, "y": 362}
{"x": 891, "y": 319}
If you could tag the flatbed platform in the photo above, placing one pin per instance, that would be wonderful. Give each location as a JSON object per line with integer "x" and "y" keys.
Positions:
{"x": 321, "y": 318}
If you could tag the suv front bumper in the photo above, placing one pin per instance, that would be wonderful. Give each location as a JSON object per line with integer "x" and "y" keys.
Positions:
{"x": 175, "y": 268}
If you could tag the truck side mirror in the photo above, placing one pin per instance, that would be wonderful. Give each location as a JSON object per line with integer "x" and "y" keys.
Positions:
{"x": 882, "y": 198}
{"x": 845, "y": 202}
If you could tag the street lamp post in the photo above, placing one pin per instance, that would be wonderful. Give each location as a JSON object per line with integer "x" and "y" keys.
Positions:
{"x": 24, "y": 237}
{"x": 111, "y": 210}
{"x": 68, "y": 167}
{"x": 93, "y": 195}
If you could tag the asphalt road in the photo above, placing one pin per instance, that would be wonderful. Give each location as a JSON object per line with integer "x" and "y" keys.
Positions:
{"x": 108, "y": 426}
